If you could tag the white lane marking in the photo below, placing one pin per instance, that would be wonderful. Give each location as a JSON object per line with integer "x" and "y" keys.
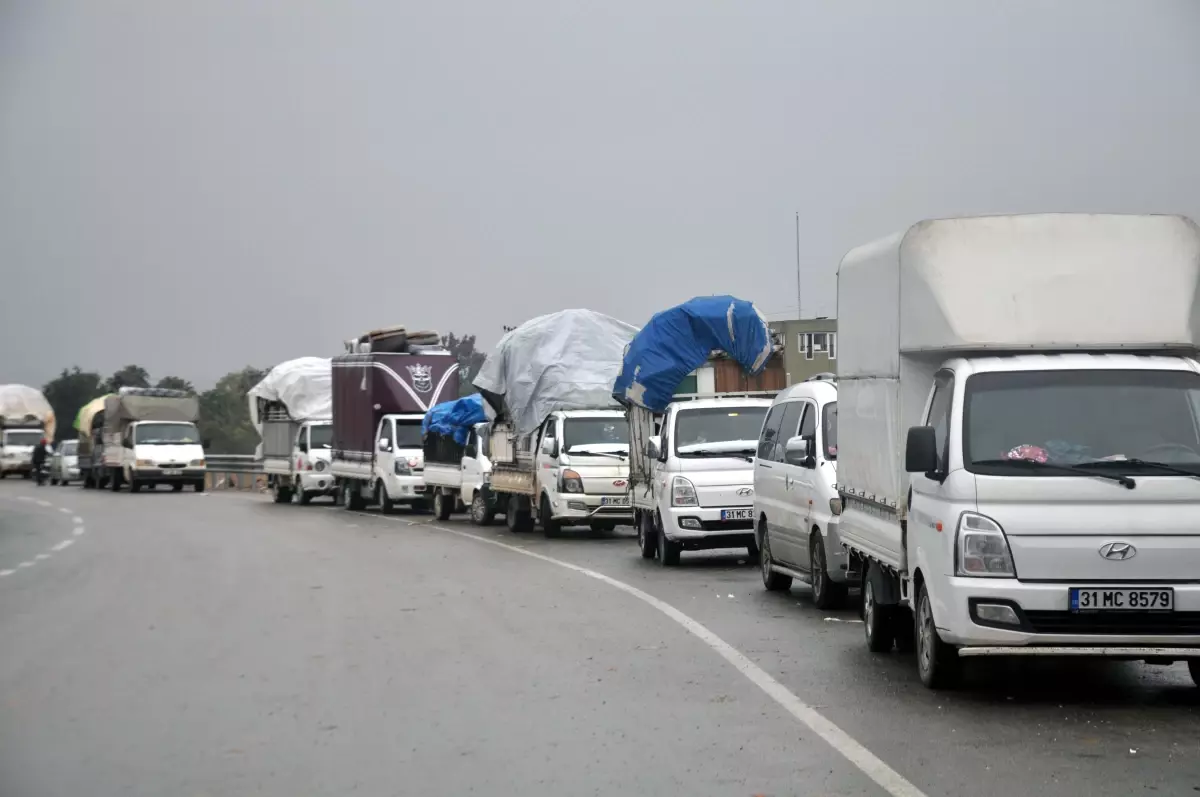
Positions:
{"x": 24, "y": 498}
{"x": 79, "y": 530}
{"x": 64, "y": 510}
{"x": 77, "y": 520}
{"x": 40, "y": 502}
{"x": 42, "y": 556}
{"x": 871, "y": 765}
{"x": 64, "y": 545}
{"x": 25, "y": 564}
{"x": 4, "y": 573}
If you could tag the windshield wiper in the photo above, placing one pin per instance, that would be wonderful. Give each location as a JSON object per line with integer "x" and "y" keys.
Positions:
{"x": 1075, "y": 470}
{"x": 1145, "y": 463}
{"x": 586, "y": 452}
{"x": 745, "y": 454}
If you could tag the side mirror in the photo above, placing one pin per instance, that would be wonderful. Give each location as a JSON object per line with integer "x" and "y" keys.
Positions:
{"x": 920, "y": 451}
{"x": 303, "y": 447}
{"x": 550, "y": 447}
{"x": 385, "y": 444}
{"x": 801, "y": 451}
{"x": 654, "y": 448}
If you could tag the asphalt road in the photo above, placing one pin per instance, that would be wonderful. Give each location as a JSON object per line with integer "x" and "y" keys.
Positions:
{"x": 219, "y": 644}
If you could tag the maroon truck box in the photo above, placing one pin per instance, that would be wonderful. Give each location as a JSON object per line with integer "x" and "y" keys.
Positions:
{"x": 368, "y": 386}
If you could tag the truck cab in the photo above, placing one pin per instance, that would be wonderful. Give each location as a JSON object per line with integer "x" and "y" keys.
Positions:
{"x": 161, "y": 452}
{"x": 700, "y": 490}
{"x": 581, "y": 462}
{"x": 311, "y": 453}
{"x": 16, "y": 450}
{"x": 400, "y": 459}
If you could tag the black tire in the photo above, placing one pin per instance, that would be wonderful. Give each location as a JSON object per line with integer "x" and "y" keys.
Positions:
{"x": 753, "y": 552}
{"x": 482, "y": 514}
{"x": 27, "y": 474}
{"x": 668, "y": 552}
{"x": 135, "y": 486}
{"x": 386, "y": 505}
{"x": 518, "y": 519}
{"x": 938, "y": 664}
{"x": 826, "y": 594}
{"x": 904, "y": 628}
{"x": 351, "y": 498}
{"x": 114, "y": 481}
{"x": 550, "y": 526}
{"x": 305, "y": 498}
{"x": 773, "y": 581}
{"x": 53, "y": 481}
{"x": 647, "y": 535}
{"x": 1194, "y": 670}
{"x": 198, "y": 487}
{"x": 877, "y": 620}
{"x": 443, "y": 505}
{"x": 282, "y": 494}
{"x": 177, "y": 487}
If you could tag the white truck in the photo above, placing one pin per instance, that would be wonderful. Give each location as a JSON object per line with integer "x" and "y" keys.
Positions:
{"x": 1019, "y": 424}
{"x": 25, "y": 418}
{"x": 382, "y": 388}
{"x": 292, "y": 409}
{"x": 559, "y": 444}
{"x": 458, "y": 477}
{"x": 149, "y": 437}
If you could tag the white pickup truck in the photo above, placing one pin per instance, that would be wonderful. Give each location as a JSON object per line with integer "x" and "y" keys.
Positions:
{"x": 693, "y": 483}
{"x": 464, "y": 483}
{"x": 1019, "y": 438}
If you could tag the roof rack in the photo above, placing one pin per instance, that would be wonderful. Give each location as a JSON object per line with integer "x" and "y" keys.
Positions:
{"x": 731, "y": 394}
{"x": 825, "y": 376}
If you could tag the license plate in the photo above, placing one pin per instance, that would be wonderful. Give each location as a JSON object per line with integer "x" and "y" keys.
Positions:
{"x": 172, "y": 472}
{"x": 737, "y": 514}
{"x": 622, "y": 501}
{"x": 1094, "y": 599}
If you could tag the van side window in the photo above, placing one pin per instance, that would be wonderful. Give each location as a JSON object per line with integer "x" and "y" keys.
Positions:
{"x": 939, "y": 414}
{"x": 766, "y": 440}
{"x": 788, "y": 425}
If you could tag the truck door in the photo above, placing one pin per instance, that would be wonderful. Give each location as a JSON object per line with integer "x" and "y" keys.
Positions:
{"x": 927, "y": 491}
{"x": 301, "y": 449}
{"x": 472, "y": 473}
{"x": 546, "y": 465}
{"x": 385, "y": 448}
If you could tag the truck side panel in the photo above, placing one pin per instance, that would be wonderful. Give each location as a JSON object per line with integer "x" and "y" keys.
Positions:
{"x": 278, "y": 437}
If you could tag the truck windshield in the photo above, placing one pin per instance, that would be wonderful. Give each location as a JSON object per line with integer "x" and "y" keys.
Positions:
{"x": 702, "y": 432}
{"x": 1124, "y": 421}
{"x": 151, "y": 434}
{"x": 408, "y": 434}
{"x": 320, "y": 436}
{"x": 580, "y": 433}
{"x": 22, "y": 438}
{"x": 69, "y": 448}
{"x": 829, "y": 429}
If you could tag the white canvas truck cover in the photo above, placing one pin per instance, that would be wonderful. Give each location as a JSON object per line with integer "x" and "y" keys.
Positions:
{"x": 992, "y": 285}
{"x": 562, "y": 361}
{"x": 303, "y": 385}
{"x": 24, "y": 405}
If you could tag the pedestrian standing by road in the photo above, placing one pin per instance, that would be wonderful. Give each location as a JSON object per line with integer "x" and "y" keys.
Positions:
{"x": 39, "y": 460}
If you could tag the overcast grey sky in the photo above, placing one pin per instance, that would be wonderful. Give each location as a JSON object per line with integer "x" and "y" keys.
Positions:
{"x": 197, "y": 186}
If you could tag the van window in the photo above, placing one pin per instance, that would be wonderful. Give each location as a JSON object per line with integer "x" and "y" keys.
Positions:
{"x": 829, "y": 429}
{"x": 788, "y": 424}
{"x": 320, "y": 436}
{"x": 939, "y": 414}
{"x": 770, "y": 430}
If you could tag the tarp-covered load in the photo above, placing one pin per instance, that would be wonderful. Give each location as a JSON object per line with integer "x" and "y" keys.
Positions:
{"x": 87, "y": 414}
{"x": 21, "y": 405}
{"x": 561, "y": 361}
{"x": 679, "y": 340}
{"x": 455, "y": 418}
{"x": 304, "y": 386}
{"x": 149, "y": 404}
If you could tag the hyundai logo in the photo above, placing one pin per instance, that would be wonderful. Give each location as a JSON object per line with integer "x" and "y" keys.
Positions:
{"x": 619, "y": 482}
{"x": 745, "y": 491}
{"x": 1118, "y": 551}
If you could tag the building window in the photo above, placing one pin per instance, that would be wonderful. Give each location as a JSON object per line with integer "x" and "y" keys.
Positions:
{"x": 814, "y": 343}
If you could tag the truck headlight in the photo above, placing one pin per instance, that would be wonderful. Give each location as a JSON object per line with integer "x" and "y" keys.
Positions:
{"x": 402, "y": 469}
{"x": 683, "y": 492}
{"x": 571, "y": 482}
{"x": 144, "y": 463}
{"x": 320, "y": 465}
{"x": 196, "y": 463}
{"x": 982, "y": 548}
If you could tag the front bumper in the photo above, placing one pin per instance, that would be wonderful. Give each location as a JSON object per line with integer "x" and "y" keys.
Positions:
{"x": 702, "y": 523}
{"x": 16, "y": 466}
{"x": 1044, "y": 619}
{"x": 168, "y": 475}
{"x": 406, "y": 489}
{"x": 576, "y": 508}
{"x": 318, "y": 482}
{"x": 837, "y": 558}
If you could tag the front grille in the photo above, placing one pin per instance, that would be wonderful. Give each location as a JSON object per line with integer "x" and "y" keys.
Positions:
{"x": 1115, "y": 623}
{"x": 171, "y": 465}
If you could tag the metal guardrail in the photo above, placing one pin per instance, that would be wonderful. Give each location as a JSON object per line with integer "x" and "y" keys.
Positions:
{"x": 234, "y": 472}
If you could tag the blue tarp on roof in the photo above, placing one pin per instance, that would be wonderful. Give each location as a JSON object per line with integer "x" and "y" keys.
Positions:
{"x": 455, "y": 418}
{"x": 680, "y": 340}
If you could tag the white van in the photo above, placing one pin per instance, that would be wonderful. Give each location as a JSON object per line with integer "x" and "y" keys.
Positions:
{"x": 796, "y": 504}
{"x": 699, "y": 493}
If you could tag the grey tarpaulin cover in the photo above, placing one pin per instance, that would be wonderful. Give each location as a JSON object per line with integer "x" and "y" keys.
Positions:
{"x": 146, "y": 406}
{"x": 303, "y": 385}
{"x": 562, "y": 361}
{"x": 20, "y": 404}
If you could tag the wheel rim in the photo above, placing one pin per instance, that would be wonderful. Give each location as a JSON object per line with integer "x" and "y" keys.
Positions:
{"x": 764, "y": 556}
{"x": 925, "y": 639}
{"x": 869, "y": 608}
{"x": 476, "y": 509}
{"x": 818, "y": 567}
{"x": 437, "y": 503}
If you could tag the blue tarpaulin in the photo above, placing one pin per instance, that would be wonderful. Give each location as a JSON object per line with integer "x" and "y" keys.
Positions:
{"x": 680, "y": 340}
{"x": 455, "y": 418}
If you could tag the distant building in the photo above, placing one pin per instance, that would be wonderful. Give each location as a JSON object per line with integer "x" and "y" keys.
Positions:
{"x": 809, "y": 347}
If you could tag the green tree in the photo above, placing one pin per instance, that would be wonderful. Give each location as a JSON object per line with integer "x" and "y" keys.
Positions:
{"x": 176, "y": 383}
{"x": 225, "y": 413}
{"x": 129, "y": 376}
{"x": 67, "y": 393}
{"x": 469, "y": 359}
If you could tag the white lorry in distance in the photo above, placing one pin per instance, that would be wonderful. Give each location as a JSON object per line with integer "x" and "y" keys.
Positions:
{"x": 796, "y": 504}
{"x": 25, "y": 418}
{"x": 559, "y": 444}
{"x": 149, "y": 437}
{"x": 1019, "y": 452}
{"x": 382, "y": 388}
{"x": 292, "y": 409}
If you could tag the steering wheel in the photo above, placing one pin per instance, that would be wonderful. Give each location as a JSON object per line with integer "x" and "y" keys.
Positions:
{"x": 1180, "y": 447}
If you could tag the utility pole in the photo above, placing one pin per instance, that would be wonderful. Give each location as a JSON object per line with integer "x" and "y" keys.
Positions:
{"x": 799, "y": 306}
